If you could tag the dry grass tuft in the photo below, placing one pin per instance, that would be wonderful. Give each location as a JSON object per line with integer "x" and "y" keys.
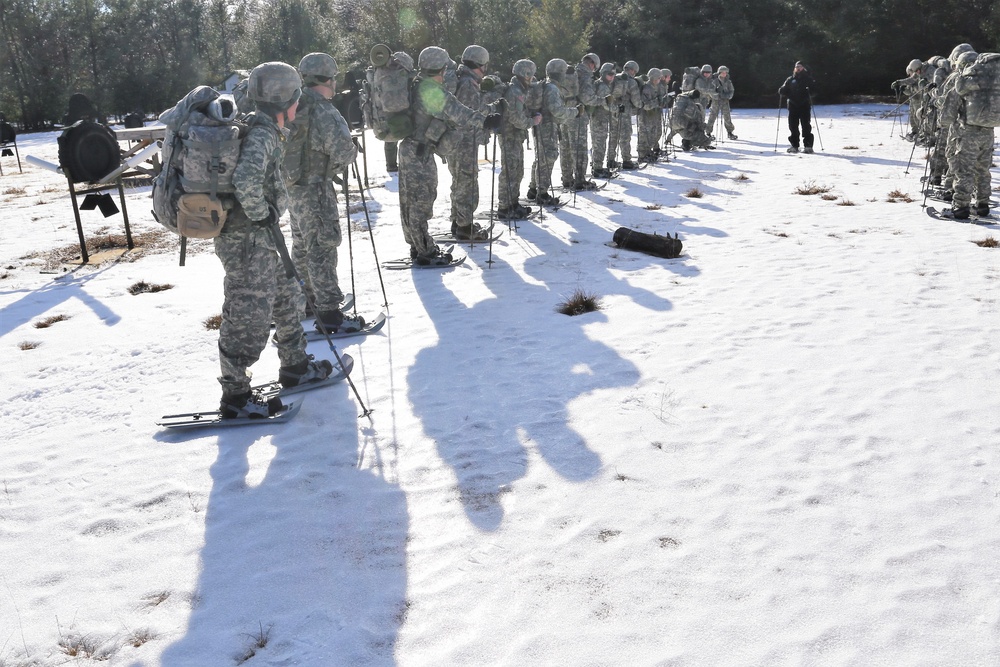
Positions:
{"x": 257, "y": 641}
{"x": 810, "y": 188}
{"x": 988, "y": 242}
{"x": 147, "y": 242}
{"x": 850, "y": 148}
{"x": 846, "y": 202}
{"x": 741, "y": 177}
{"x": 694, "y": 193}
{"x": 579, "y": 303}
{"x": 143, "y": 287}
{"x": 828, "y": 197}
{"x": 898, "y": 196}
{"x": 213, "y": 323}
{"x": 49, "y": 321}
{"x": 28, "y": 344}
{"x": 140, "y": 636}
{"x": 653, "y": 207}
{"x": 14, "y": 191}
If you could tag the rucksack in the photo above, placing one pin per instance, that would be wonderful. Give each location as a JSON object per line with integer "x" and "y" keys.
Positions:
{"x": 387, "y": 96}
{"x": 979, "y": 85}
{"x": 295, "y": 157}
{"x": 691, "y": 74}
{"x": 193, "y": 192}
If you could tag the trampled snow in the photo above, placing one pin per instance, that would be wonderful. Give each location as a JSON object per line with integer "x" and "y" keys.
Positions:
{"x": 778, "y": 449}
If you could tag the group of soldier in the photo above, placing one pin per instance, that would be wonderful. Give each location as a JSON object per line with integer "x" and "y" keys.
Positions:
{"x": 942, "y": 93}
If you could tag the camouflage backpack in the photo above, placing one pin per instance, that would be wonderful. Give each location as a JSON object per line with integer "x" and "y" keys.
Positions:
{"x": 386, "y": 98}
{"x": 979, "y": 85}
{"x": 193, "y": 192}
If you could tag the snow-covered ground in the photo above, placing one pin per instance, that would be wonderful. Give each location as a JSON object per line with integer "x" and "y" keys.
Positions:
{"x": 778, "y": 449}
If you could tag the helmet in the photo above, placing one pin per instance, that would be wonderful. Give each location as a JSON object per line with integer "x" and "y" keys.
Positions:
{"x": 556, "y": 68}
{"x": 476, "y": 54}
{"x": 959, "y": 50}
{"x": 631, "y": 65}
{"x": 433, "y": 58}
{"x": 274, "y": 86}
{"x": 592, "y": 57}
{"x": 914, "y": 65}
{"x": 317, "y": 68}
{"x": 524, "y": 69}
{"x": 607, "y": 68}
{"x": 654, "y": 73}
{"x": 706, "y": 68}
{"x": 666, "y": 73}
{"x": 965, "y": 59}
{"x": 723, "y": 68}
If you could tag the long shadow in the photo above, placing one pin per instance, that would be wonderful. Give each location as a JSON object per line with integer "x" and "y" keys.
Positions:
{"x": 310, "y": 552}
{"x": 500, "y": 381}
{"x": 36, "y": 302}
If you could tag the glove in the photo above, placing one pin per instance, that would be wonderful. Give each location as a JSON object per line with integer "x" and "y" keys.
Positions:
{"x": 536, "y": 119}
{"x": 621, "y": 108}
{"x": 895, "y": 85}
{"x": 580, "y": 109}
{"x": 493, "y": 123}
{"x": 357, "y": 144}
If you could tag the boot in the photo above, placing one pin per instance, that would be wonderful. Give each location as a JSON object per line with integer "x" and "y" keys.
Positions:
{"x": 247, "y": 405}
{"x": 792, "y": 149}
{"x": 628, "y": 164}
{"x": 523, "y": 211}
{"x": 982, "y": 209}
{"x": 612, "y": 165}
{"x": 808, "y": 149}
{"x": 733, "y": 136}
{"x": 960, "y": 212}
{"x": 545, "y": 199}
{"x": 585, "y": 185}
{"x": 532, "y": 192}
{"x": 434, "y": 257}
{"x": 335, "y": 321}
{"x": 473, "y": 232}
{"x": 304, "y": 372}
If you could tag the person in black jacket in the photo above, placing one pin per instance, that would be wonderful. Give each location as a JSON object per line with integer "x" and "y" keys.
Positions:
{"x": 797, "y": 90}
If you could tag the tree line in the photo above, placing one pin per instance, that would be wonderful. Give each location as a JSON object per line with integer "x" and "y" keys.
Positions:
{"x": 143, "y": 55}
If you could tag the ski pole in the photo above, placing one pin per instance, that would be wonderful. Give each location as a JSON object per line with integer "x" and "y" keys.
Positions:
{"x": 493, "y": 188}
{"x": 907, "y": 170}
{"x": 536, "y": 170}
{"x": 778, "y": 129}
{"x": 812, "y": 108}
{"x": 371, "y": 235}
{"x": 350, "y": 245}
{"x": 279, "y": 244}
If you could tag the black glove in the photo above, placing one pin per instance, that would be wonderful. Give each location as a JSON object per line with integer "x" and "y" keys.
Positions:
{"x": 493, "y": 123}
{"x": 895, "y": 85}
{"x": 621, "y": 108}
{"x": 357, "y": 144}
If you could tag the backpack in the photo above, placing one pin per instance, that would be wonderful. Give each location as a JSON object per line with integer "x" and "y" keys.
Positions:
{"x": 193, "y": 193}
{"x": 979, "y": 85}
{"x": 691, "y": 75}
{"x": 296, "y": 158}
{"x": 387, "y": 97}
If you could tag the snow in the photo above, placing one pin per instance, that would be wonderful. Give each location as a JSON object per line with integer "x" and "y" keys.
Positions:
{"x": 777, "y": 449}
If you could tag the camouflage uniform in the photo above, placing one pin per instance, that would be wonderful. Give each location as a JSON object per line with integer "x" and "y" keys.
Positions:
{"x": 569, "y": 90}
{"x": 725, "y": 91}
{"x": 625, "y": 102}
{"x": 688, "y": 120}
{"x": 312, "y": 200}
{"x": 554, "y": 113}
{"x": 587, "y": 96}
{"x": 517, "y": 120}
{"x": 256, "y": 288}
{"x": 708, "y": 87}
{"x": 649, "y": 117}
{"x": 463, "y": 156}
{"x": 435, "y": 113}
{"x": 600, "y": 124}
{"x": 976, "y": 86}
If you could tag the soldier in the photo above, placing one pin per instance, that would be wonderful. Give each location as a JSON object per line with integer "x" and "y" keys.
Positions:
{"x": 797, "y": 90}
{"x": 688, "y": 120}
{"x": 910, "y": 87}
{"x": 708, "y": 87}
{"x": 725, "y": 89}
{"x": 578, "y": 129}
{"x": 256, "y": 287}
{"x": 321, "y": 146}
{"x": 436, "y": 113}
{"x": 978, "y": 85}
{"x": 625, "y": 103}
{"x": 600, "y": 120}
{"x": 949, "y": 107}
{"x": 517, "y": 120}
{"x": 463, "y": 155}
{"x": 650, "y": 116}
{"x": 554, "y": 113}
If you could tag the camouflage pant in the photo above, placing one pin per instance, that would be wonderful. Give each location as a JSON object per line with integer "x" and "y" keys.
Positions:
{"x": 950, "y": 148}
{"x": 972, "y": 165}
{"x": 511, "y": 168}
{"x": 650, "y": 129}
{"x": 417, "y": 192}
{"x": 721, "y": 106}
{"x": 255, "y": 290}
{"x": 620, "y": 137}
{"x": 464, "y": 167}
{"x": 938, "y": 163}
{"x": 599, "y": 136}
{"x": 316, "y": 235}
{"x": 546, "y": 154}
{"x": 573, "y": 150}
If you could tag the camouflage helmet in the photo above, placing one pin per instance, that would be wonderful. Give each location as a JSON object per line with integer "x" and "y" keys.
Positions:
{"x": 654, "y": 73}
{"x": 524, "y": 69}
{"x": 959, "y": 50}
{"x": 914, "y": 66}
{"x": 706, "y": 68}
{"x": 722, "y": 68}
{"x": 556, "y": 68}
{"x": 476, "y": 54}
{"x": 965, "y": 59}
{"x": 274, "y": 86}
{"x": 631, "y": 65}
{"x": 666, "y": 73}
{"x": 433, "y": 59}
{"x": 607, "y": 68}
{"x": 317, "y": 68}
{"x": 592, "y": 57}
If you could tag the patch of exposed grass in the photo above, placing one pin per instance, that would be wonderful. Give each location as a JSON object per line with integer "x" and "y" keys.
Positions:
{"x": 258, "y": 641}
{"x": 49, "y": 321}
{"x": 850, "y": 148}
{"x": 140, "y": 636}
{"x": 146, "y": 242}
{"x": 828, "y": 197}
{"x": 608, "y": 534}
{"x": 578, "y": 303}
{"x": 898, "y": 196}
{"x": 77, "y": 645}
{"x": 213, "y": 323}
{"x": 741, "y": 177}
{"x": 846, "y": 202}
{"x": 694, "y": 193}
{"x": 143, "y": 287}
{"x": 774, "y": 232}
{"x": 988, "y": 242}
{"x": 653, "y": 207}
{"x": 14, "y": 191}
{"x": 669, "y": 543}
{"x": 28, "y": 344}
{"x": 810, "y": 188}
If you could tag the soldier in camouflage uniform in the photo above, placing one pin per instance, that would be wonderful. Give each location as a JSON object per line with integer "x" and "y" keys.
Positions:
{"x": 574, "y": 149}
{"x": 321, "y": 146}
{"x": 911, "y": 88}
{"x": 978, "y": 85}
{"x": 625, "y": 103}
{"x": 725, "y": 90}
{"x": 436, "y": 113}
{"x": 650, "y": 116}
{"x": 708, "y": 87}
{"x": 256, "y": 287}
{"x": 600, "y": 121}
{"x": 554, "y": 113}
{"x": 949, "y": 108}
{"x": 517, "y": 120}
{"x": 665, "y": 89}
{"x": 688, "y": 120}
{"x": 463, "y": 155}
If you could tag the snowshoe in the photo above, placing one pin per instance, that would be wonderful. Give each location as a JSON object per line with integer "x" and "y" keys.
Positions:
{"x": 304, "y": 372}
{"x": 473, "y": 232}
{"x": 249, "y": 406}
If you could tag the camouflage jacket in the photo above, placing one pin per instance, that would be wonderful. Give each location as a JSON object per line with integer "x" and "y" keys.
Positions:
{"x": 437, "y": 114}
{"x": 257, "y": 177}
{"x": 329, "y": 148}
{"x": 708, "y": 86}
{"x": 625, "y": 91}
{"x": 588, "y": 88}
{"x": 650, "y": 96}
{"x": 551, "y": 104}
{"x": 517, "y": 119}
{"x": 725, "y": 87}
